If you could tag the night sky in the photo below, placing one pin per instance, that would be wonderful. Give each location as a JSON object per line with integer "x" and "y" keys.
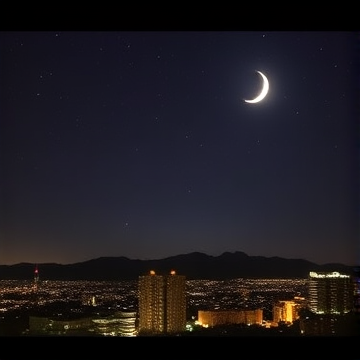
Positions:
{"x": 140, "y": 144}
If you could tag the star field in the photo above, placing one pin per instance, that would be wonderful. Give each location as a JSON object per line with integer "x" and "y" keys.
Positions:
{"x": 139, "y": 144}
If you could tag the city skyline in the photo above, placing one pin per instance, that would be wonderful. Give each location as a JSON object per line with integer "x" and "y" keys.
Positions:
{"x": 141, "y": 144}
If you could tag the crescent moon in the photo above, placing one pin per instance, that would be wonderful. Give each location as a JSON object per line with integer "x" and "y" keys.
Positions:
{"x": 263, "y": 92}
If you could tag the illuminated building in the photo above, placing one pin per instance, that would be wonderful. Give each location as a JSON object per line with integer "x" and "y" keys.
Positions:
{"x": 122, "y": 323}
{"x": 330, "y": 293}
{"x": 330, "y": 302}
{"x": 162, "y": 303}
{"x": 211, "y": 318}
{"x": 127, "y": 323}
{"x": 284, "y": 311}
{"x": 287, "y": 310}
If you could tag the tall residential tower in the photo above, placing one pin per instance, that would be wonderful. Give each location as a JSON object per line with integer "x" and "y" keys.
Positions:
{"x": 330, "y": 293}
{"x": 162, "y": 303}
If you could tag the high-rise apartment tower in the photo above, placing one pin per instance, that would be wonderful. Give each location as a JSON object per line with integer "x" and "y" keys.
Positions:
{"x": 330, "y": 293}
{"x": 162, "y": 303}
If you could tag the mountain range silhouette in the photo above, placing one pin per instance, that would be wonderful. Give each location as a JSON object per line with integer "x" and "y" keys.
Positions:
{"x": 194, "y": 266}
